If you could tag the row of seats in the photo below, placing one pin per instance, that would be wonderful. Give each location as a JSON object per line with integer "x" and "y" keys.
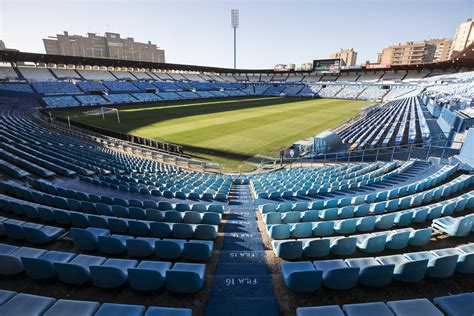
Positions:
{"x": 311, "y": 188}
{"x": 458, "y": 227}
{"x": 117, "y": 225}
{"x": 32, "y": 157}
{"x": 323, "y": 225}
{"x": 72, "y": 268}
{"x": 25, "y": 164}
{"x": 152, "y": 190}
{"x": 100, "y": 239}
{"x": 31, "y": 232}
{"x": 50, "y": 188}
{"x": 98, "y": 208}
{"x": 13, "y": 170}
{"x": 347, "y": 245}
{"x": 306, "y": 276}
{"x": 378, "y": 196}
{"x": 451, "y": 305}
{"x": 13, "y": 304}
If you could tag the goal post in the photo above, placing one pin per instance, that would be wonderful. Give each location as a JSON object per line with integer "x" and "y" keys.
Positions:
{"x": 103, "y": 111}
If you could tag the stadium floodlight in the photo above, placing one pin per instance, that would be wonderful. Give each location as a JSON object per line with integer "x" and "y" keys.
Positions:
{"x": 234, "y": 22}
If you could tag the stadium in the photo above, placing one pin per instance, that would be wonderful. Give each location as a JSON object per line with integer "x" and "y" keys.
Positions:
{"x": 132, "y": 187}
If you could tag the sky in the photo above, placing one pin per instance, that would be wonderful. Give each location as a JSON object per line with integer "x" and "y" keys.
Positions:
{"x": 271, "y": 31}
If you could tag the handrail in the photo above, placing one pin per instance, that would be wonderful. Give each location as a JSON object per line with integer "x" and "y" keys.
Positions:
{"x": 422, "y": 151}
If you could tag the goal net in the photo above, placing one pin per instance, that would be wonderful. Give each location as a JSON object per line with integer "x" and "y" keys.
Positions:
{"x": 103, "y": 111}
{"x": 100, "y": 111}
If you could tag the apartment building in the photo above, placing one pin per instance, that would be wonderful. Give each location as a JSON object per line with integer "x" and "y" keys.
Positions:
{"x": 348, "y": 56}
{"x": 111, "y": 45}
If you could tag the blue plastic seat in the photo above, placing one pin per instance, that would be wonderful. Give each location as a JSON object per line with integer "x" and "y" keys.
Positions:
{"x": 10, "y": 258}
{"x": 403, "y": 218}
{"x": 414, "y": 307}
{"x": 169, "y": 248}
{"x": 346, "y": 226}
{"x": 314, "y": 248}
{"x": 173, "y": 216}
{"x": 378, "y": 208}
{"x": 466, "y": 259}
{"x": 79, "y": 219}
{"x": 440, "y": 264}
{"x": 160, "y": 229}
{"x": 108, "y": 309}
{"x": 458, "y": 227}
{"x": 288, "y": 249}
{"x": 301, "y": 230}
{"x": 317, "y": 205}
{"x": 343, "y": 246}
{"x": 154, "y": 215}
{"x": 73, "y": 308}
{"x": 309, "y": 216}
{"x": 420, "y": 237}
{"x": 337, "y": 274}
{"x": 434, "y": 211}
{"x": 267, "y": 208}
{"x": 346, "y": 212}
{"x": 272, "y": 218}
{"x": 366, "y": 224}
{"x": 372, "y": 243}
{"x": 406, "y": 270}
{"x": 290, "y": 217}
{"x": 456, "y": 305}
{"x": 398, "y": 239}
{"x": 26, "y": 304}
{"x": 167, "y": 311}
{"x": 385, "y": 221}
{"x": 301, "y": 276}
{"x": 13, "y": 228}
{"x": 198, "y": 250}
{"x": 140, "y": 246}
{"x": 285, "y": 208}
{"x": 98, "y": 221}
{"x": 323, "y": 229}
{"x": 111, "y": 273}
{"x": 185, "y": 277}
{"x": 87, "y": 239}
{"x": 113, "y": 244}
{"x": 329, "y": 310}
{"x": 420, "y": 215}
{"x": 364, "y": 309}
{"x": 372, "y": 272}
{"x": 279, "y": 231}
{"x": 77, "y": 271}
{"x": 43, "y": 267}
{"x": 6, "y": 296}
{"x": 136, "y": 212}
{"x": 119, "y": 211}
{"x": 182, "y": 231}
{"x": 205, "y": 232}
{"x": 329, "y": 214}
{"x": 138, "y": 227}
{"x": 148, "y": 275}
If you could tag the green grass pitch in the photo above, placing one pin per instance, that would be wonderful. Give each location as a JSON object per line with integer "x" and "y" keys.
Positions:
{"x": 227, "y": 131}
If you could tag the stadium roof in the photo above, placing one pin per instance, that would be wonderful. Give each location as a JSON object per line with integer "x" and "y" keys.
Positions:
{"x": 464, "y": 59}
{"x": 17, "y": 56}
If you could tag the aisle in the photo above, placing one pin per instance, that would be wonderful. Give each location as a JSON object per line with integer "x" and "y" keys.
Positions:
{"x": 242, "y": 284}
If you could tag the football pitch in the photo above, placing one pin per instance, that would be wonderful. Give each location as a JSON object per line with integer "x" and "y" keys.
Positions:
{"x": 227, "y": 131}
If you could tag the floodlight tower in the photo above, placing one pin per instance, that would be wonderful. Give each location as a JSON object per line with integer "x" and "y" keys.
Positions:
{"x": 234, "y": 15}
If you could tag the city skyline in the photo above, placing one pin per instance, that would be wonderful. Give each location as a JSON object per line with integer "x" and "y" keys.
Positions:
{"x": 185, "y": 31}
